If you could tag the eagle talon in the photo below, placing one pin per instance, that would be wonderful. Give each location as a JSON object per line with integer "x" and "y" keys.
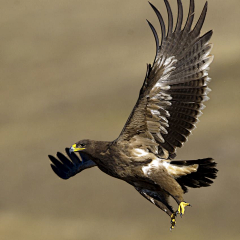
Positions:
{"x": 173, "y": 221}
{"x": 181, "y": 208}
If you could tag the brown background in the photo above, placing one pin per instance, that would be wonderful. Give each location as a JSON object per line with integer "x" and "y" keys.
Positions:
{"x": 71, "y": 70}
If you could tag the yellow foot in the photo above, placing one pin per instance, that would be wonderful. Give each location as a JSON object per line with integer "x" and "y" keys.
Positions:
{"x": 181, "y": 208}
{"x": 173, "y": 221}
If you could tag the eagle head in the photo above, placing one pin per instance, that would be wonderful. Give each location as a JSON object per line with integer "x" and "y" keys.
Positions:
{"x": 82, "y": 145}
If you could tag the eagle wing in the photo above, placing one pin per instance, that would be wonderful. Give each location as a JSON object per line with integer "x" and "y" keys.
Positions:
{"x": 175, "y": 86}
{"x": 66, "y": 167}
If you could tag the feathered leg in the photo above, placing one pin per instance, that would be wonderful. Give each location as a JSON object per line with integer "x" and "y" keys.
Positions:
{"x": 157, "y": 198}
{"x": 171, "y": 187}
{"x": 160, "y": 199}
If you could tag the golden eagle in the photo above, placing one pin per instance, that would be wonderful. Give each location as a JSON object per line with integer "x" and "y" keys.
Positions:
{"x": 169, "y": 104}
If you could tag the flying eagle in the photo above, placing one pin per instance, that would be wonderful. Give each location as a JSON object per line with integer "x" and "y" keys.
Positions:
{"x": 169, "y": 104}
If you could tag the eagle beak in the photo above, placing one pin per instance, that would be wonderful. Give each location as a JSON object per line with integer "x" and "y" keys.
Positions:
{"x": 75, "y": 149}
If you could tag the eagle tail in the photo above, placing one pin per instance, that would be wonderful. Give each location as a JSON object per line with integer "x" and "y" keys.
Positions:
{"x": 206, "y": 171}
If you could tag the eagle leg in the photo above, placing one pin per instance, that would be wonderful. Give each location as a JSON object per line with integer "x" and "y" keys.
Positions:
{"x": 173, "y": 220}
{"x": 181, "y": 208}
{"x": 181, "y": 211}
{"x": 159, "y": 199}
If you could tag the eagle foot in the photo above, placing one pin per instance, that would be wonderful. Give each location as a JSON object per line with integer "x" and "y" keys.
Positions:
{"x": 181, "y": 208}
{"x": 173, "y": 220}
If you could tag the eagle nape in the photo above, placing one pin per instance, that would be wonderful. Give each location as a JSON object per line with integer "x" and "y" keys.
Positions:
{"x": 170, "y": 102}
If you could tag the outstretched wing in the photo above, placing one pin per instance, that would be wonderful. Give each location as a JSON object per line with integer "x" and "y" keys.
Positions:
{"x": 68, "y": 167}
{"x": 175, "y": 86}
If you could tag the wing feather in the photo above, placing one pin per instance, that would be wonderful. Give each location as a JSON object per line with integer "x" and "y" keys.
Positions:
{"x": 67, "y": 167}
{"x": 160, "y": 19}
{"x": 175, "y": 86}
{"x": 180, "y": 17}
{"x": 155, "y": 35}
{"x": 198, "y": 26}
{"x": 190, "y": 17}
{"x": 170, "y": 17}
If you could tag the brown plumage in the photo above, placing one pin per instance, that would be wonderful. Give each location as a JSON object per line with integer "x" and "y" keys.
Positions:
{"x": 169, "y": 103}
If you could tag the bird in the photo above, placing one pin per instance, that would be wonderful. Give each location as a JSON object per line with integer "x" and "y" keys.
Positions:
{"x": 170, "y": 102}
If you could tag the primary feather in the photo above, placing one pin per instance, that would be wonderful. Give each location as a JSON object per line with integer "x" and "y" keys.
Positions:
{"x": 175, "y": 86}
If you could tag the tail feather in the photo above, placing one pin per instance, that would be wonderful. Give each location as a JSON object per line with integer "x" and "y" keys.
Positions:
{"x": 202, "y": 177}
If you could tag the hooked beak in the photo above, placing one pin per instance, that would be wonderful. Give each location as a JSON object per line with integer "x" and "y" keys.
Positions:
{"x": 75, "y": 149}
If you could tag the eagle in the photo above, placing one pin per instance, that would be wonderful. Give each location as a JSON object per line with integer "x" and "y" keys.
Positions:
{"x": 167, "y": 109}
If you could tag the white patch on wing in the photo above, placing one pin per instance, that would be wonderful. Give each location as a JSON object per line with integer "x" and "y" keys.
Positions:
{"x": 140, "y": 152}
{"x": 152, "y": 165}
{"x": 155, "y": 112}
{"x": 170, "y": 61}
{"x": 173, "y": 170}
{"x": 168, "y": 67}
{"x": 162, "y": 86}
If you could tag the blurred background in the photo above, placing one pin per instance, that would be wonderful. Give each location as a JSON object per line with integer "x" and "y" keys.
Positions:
{"x": 73, "y": 69}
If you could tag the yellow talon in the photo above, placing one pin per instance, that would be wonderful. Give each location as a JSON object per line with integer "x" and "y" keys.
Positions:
{"x": 173, "y": 221}
{"x": 181, "y": 207}
{"x": 181, "y": 211}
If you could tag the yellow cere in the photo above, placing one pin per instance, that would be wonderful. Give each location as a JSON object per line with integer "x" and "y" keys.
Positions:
{"x": 75, "y": 149}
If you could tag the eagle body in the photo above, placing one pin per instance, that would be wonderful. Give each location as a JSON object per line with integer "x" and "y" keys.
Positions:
{"x": 169, "y": 104}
